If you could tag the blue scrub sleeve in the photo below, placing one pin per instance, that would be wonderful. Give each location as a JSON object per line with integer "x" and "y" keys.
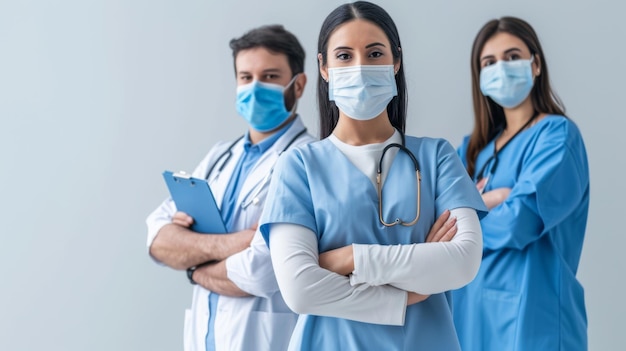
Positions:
{"x": 289, "y": 197}
{"x": 553, "y": 181}
{"x": 455, "y": 189}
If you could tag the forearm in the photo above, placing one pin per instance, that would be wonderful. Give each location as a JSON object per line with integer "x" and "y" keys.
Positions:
{"x": 181, "y": 248}
{"x": 553, "y": 182}
{"x": 214, "y": 277}
{"x": 251, "y": 269}
{"x": 309, "y": 289}
{"x": 341, "y": 260}
{"x": 425, "y": 268}
{"x": 512, "y": 225}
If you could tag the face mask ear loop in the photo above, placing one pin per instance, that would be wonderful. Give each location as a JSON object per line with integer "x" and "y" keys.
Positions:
{"x": 294, "y": 108}
{"x": 291, "y": 82}
{"x": 295, "y": 104}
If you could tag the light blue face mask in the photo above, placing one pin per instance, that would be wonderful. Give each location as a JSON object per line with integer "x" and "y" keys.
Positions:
{"x": 262, "y": 105}
{"x": 508, "y": 83}
{"x": 362, "y": 92}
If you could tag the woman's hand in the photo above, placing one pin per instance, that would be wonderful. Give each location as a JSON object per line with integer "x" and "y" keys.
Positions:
{"x": 340, "y": 261}
{"x": 443, "y": 229}
{"x": 495, "y": 197}
{"x": 414, "y": 298}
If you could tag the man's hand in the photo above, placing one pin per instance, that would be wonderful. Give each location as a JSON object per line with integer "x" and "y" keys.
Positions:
{"x": 182, "y": 219}
{"x": 214, "y": 276}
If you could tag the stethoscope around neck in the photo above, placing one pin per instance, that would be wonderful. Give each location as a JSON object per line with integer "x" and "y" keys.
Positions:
{"x": 379, "y": 186}
{"x": 253, "y": 198}
{"x": 481, "y": 174}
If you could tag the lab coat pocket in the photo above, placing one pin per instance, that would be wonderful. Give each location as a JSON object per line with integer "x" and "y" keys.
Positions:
{"x": 270, "y": 331}
{"x": 187, "y": 331}
{"x": 500, "y": 313}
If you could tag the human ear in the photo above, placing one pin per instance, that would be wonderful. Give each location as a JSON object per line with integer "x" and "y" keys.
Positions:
{"x": 397, "y": 62}
{"x": 537, "y": 65}
{"x": 299, "y": 84}
{"x": 323, "y": 68}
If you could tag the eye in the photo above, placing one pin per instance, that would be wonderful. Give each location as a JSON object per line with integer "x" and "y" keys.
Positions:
{"x": 487, "y": 62}
{"x": 513, "y": 57}
{"x": 343, "y": 56}
{"x": 271, "y": 76}
{"x": 245, "y": 78}
{"x": 376, "y": 54}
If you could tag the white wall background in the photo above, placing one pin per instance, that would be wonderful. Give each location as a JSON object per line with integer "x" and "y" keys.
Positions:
{"x": 98, "y": 97}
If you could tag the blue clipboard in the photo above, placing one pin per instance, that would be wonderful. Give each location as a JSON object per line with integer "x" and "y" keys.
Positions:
{"x": 194, "y": 197}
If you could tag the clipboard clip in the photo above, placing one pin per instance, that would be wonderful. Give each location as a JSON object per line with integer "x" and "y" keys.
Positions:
{"x": 182, "y": 174}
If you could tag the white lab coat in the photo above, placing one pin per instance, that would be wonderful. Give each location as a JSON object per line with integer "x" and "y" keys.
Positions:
{"x": 259, "y": 322}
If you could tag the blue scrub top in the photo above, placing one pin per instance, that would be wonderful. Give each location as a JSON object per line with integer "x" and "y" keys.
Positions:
{"x": 526, "y": 295}
{"x": 316, "y": 186}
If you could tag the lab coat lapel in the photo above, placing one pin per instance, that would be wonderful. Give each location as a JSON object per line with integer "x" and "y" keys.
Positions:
{"x": 218, "y": 187}
{"x": 258, "y": 174}
{"x": 265, "y": 164}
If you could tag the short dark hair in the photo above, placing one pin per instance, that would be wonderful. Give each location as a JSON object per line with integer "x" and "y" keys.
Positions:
{"x": 274, "y": 38}
{"x": 396, "y": 109}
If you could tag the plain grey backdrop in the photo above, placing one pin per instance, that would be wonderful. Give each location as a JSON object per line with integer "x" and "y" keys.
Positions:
{"x": 98, "y": 97}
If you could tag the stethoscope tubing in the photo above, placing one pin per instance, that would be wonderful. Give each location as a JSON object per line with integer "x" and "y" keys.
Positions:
{"x": 227, "y": 155}
{"x": 379, "y": 187}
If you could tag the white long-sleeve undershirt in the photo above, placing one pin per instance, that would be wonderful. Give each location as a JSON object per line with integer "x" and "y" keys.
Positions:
{"x": 425, "y": 268}
{"x": 376, "y": 291}
{"x": 310, "y": 289}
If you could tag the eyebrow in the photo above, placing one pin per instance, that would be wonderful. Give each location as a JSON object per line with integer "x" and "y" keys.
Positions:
{"x": 366, "y": 46}
{"x": 265, "y": 71}
{"x": 506, "y": 52}
{"x": 374, "y": 44}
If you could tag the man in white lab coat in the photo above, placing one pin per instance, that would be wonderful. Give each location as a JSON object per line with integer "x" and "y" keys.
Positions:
{"x": 236, "y": 303}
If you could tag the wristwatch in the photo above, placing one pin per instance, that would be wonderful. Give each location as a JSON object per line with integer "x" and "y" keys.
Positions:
{"x": 190, "y": 271}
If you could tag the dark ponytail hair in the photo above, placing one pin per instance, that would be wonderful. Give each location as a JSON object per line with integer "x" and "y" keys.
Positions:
{"x": 329, "y": 114}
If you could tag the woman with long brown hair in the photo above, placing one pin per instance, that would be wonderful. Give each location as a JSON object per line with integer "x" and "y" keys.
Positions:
{"x": 529, "y": 162}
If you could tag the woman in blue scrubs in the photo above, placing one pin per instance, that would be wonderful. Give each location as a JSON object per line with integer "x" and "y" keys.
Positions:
{"x": 529, "y": 161}
{"x": 347, "y": 218}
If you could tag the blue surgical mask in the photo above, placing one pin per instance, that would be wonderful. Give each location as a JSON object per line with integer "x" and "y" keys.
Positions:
{"x": 362, "y": 92}
{"x": 508, "y": 83}
{"x": 262, "y": 105}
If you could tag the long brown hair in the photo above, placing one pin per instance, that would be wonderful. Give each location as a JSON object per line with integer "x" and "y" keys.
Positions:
{"x": 488, "y": 115}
